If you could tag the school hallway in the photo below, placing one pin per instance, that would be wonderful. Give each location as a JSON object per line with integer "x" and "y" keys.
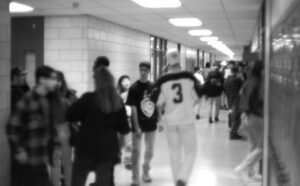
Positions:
{"x": 217, "y": 157}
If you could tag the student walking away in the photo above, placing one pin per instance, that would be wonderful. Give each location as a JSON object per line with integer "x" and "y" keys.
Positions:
{"x": 200, "y": 79}
{"x": 232, "y": 86}
{"x": 176, "y": 93}
{"x": 144, "y": 120}
{"x": 62, "y": 164}
{"x": 102, "y": 115}
{"x": 214, "y": 88}
{"x": 30, "y": 131}
{"x": 251, "y": 106}
{"x": 206, "y": 70}
{"x": 123, "y": 87}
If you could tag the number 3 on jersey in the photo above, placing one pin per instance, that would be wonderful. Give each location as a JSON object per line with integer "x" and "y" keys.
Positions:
{"x": 178, "y": 88}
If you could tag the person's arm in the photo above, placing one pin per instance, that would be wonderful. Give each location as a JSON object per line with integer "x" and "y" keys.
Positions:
{"x": 78, "y": 109}
{"x": 15, "y": 129}
{"x": 123, "y": 125}
{"x": 132, "y": 101}
{"x": 135, "y": 120}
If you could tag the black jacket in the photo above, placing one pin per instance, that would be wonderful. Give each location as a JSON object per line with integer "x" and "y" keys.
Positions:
{"x": 98, "y": 131}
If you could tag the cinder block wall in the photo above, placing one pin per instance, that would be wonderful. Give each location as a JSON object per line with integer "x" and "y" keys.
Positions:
{"x": 66, "y": 48}
{"x": 123, "y": 46}
{"x": 72, "y": 43}
{"x": 4, "y": 90}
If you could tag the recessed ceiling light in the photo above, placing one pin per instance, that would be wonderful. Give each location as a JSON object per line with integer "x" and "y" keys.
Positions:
{"x": 158, "y": 3}
{"x": 15, "y": 7}
{"x": 206, "y": 39}
{"x": 185, "y": 22}
{"x": 200, "y": 32}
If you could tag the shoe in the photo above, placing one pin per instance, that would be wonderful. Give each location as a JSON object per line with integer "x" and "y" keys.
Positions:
{"x": 197, "y": 116}
{"x": 128, "y": 166}
{"x": 217, "y": 119}
{"x": 243, "y": 175}
{"x": 146, "y": 178}
{"x": 180, "y": 183}
{"x": 210, "y": 120}
{"x": 257, "y": 178}
{"x": 236, "y": 137}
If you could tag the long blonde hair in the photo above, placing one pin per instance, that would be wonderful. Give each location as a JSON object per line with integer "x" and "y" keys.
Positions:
{"x": 107, "y": 96}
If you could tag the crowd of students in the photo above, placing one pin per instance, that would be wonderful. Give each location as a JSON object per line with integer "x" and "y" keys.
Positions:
{"x": 57, "y": 139}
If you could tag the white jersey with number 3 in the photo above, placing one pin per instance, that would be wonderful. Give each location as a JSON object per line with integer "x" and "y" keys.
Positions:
{"x": 178, "y": 93}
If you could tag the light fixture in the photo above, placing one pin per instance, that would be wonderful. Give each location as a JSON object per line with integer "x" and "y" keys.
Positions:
{"x": 15, "y": 7}
{"x": 200, "y": 32}
{"x": 220, "y": 46}
{"x": 158, "y": 3}
{"x": 185, "y": 22}
{"x": 209, "y": 38}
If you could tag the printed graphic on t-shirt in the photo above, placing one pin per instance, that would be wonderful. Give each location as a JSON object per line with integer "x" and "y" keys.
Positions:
{"x": 147, "y": 107}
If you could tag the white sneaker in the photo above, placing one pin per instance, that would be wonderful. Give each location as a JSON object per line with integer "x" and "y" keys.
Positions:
{"x": 243, "y": 175}
{"x": 146, "y": 178}
{"x": 257, "y": 178}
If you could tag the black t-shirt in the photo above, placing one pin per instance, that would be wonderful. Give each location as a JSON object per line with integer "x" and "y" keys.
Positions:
{"x": 139, "y": 95}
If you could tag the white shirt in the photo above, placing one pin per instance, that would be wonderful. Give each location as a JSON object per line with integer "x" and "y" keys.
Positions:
{"x": 199, "y": 77}
{"x": 178, "y": 95}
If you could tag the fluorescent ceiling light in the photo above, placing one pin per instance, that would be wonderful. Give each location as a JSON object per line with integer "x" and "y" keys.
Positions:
{"x": 200, "y": 32}
{"x": 220, "y": 46}
{"x": 158, "y": 3}
{"x": 15, "y": 7}
{"x": 185, "y": 22}
{"x": 206, "y": 39}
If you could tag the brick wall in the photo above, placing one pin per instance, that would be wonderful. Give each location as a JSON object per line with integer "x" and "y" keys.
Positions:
{"x": 4, "y": 90}
{"x": 73, "y": 42}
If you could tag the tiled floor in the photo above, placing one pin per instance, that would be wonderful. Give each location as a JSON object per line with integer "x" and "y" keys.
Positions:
{"x": 217, "y": 157}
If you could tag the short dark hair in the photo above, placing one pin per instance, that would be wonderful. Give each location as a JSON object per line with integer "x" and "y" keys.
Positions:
{"x": 196, "y": 68}
{"x": 43, "y": 72}
{"x": 145, "y": 64}
{"x": 207, "y": 65}
{"x": 101, "y": 61}
{"x": 234, "y": 70}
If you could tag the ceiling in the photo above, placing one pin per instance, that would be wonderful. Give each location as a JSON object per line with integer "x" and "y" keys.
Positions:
{"x": 233, "y": 21}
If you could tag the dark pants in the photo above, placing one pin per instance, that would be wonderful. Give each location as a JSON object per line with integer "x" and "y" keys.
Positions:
{"x": 84, "y": 165}
{"x": 30, "y": 175}
{"x": 234, "y": 120}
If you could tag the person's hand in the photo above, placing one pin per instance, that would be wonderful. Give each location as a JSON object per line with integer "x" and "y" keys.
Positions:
{"x": 56, "y": 154}
{"x": 22, "y": 157}
{"x": 160, "y": 128}
{"x": 138, "y": 132}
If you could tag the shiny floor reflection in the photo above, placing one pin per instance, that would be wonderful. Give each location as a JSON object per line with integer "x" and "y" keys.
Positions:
{"x": 217, "y": 157}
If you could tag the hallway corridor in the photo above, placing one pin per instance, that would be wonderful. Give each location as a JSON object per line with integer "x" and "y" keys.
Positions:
{"x": 217, "y": 157}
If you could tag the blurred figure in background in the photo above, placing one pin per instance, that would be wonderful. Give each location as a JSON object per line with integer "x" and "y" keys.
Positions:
{"x": 214, "y": 88}
{"x": 206, "y": 70}
{"x": 199, "y": 77}
{"x": 232, "y": 86}
{"x": 123, "y": 87}
{"x": 103, "y": 117}
{"x": 62, "y": 163}
{"x": 251, "y": 106}
{"x": 19, "y": 86}
{"x": 30, "y": 132}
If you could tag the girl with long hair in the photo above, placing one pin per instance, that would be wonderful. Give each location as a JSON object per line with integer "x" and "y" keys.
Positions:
{"x": 102, "y": 115}
{"x": 123, "y": 87}
{"x": 251, "y": 105}
{"x": 62, "y": 164}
